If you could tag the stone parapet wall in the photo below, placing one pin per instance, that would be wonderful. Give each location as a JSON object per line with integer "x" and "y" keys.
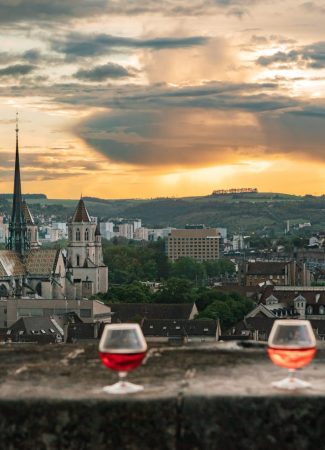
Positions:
{"x": 216, "y": 396}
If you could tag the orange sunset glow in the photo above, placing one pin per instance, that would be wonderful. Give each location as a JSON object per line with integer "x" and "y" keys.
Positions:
{"x": 145, "y": 99}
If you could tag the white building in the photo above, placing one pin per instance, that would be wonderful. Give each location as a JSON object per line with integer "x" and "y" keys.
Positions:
{"x": 107, "y": 230}
{"x": 141, "y": 234}
{"x": 125, "y": 230}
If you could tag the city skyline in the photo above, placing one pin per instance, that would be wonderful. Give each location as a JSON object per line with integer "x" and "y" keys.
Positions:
{"x": 121, "y": 100}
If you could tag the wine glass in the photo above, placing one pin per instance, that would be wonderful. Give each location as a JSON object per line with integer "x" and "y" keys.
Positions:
{"x": 292, "y": 345}
{"x": 122, "y": 347}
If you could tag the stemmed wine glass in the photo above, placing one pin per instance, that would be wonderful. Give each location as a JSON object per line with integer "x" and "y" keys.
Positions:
{"x": 122, "y": 347}
{"x": 292, "y": 345}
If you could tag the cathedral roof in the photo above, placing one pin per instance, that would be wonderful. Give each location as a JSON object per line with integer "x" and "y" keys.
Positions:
{"x": 11, "y": 264}
{"x": 42, "y": 261}
{"x": 81, "y": 213}
{"x": 27, "y": 214}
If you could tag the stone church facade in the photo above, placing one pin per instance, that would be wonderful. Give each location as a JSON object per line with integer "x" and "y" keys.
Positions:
{"x": 27, "y": 270}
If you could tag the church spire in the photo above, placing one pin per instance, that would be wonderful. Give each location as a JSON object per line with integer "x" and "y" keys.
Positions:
{"x": 17, "y": 226}
{"x": 17, "y": 210}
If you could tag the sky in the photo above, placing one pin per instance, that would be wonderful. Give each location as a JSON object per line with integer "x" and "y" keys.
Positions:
{"x": 142, "y": 99}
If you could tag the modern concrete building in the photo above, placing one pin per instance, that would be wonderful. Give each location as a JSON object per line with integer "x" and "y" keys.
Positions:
{"x": 201, "y": 244}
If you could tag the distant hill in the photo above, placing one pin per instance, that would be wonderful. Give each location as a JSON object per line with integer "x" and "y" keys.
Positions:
{"x": 26, "y": 196}
{"x": 244, "y": 213}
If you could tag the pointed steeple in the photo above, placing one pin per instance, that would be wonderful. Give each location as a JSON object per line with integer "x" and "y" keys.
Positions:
{"x": 17, "y": 227}
{"x": 81, "y": 214}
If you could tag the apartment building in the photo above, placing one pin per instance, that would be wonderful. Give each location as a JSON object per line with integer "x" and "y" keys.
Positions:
{"x": 202, "y": 244}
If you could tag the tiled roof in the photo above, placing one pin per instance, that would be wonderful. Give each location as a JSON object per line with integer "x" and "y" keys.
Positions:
{"x": 126, "y": 312}
{"x": 313, "y": 297}
{"x": 170, "y": 327}
{"x": 81, "y": 213}
{"x": 42, "y": 261}
{"x": 11, "y": 264}
{"x": 27, "y": 214}
{"x": 266, "y": 268}
{"x": 34, "y": 325}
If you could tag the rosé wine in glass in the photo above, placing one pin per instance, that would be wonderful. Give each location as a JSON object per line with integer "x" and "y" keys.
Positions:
{"x": 291, "y": 345}
{"x": 122, "y": 348}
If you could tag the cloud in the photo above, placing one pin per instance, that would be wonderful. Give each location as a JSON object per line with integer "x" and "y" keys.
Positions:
{"x": 82, "y": 45}
{"x": 43, "y": 10}
{"x": 165, "y": 137}
{"x": 104, "y": 72}
{"x": 299, "y": 133}
{"x": 48, "y": 165}
{"x": 50, "y": 11}
{"x": 311, "y": 56}
{"x": 195, "y": 125}
{"x": 17, "y": 70}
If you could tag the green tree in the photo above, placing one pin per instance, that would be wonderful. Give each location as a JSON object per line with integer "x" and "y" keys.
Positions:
{"x": 190, "y": 269}
{"x": 134, "y": 292}
{"x": 175, "y": 290}
{"x": 229, "y": 308}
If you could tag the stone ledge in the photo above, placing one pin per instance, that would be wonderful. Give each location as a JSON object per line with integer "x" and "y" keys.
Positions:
{"x": 214, "y": 396}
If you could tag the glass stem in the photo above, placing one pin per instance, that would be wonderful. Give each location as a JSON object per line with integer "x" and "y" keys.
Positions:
{"x": 292, "y": 374}
{"x": 122, "y": 376}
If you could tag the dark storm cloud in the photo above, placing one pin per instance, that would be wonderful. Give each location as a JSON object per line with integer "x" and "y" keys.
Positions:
{"x": 312, "y": 56}
{"x": 296, "y": 132}
{"x": 158, "y": 137}
{"x": 164, "y": 138}
{"x": 103, "y": 72}
{"x": 154, "y": 126}
{"x": 82, "y": 45}
{"x": 16, "y": 70}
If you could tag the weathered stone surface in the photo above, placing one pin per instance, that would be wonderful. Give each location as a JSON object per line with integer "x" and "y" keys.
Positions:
{"x": 215, "y": 396}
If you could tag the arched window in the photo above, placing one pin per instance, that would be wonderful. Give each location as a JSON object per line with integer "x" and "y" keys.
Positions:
{"x": 87, "y": 235}
{"x": 77, "y": 234}
{"x": 309, "y": 309}
{"x": 321, "y": 309}
{"x": 70, "y": 234}
{"x": 78, "y": 260}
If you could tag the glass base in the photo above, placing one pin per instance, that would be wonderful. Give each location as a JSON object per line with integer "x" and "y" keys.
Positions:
{"x": 123, "y": 387}
{"x": 291, "y": 383}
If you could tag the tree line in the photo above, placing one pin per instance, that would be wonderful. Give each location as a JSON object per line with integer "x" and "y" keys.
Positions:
{"x": 132, "y": 266}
